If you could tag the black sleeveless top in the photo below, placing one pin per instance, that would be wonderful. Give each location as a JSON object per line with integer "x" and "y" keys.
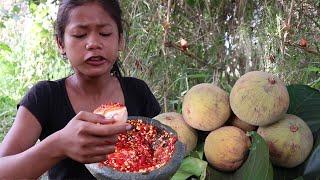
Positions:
{"x": 49, "y": 103}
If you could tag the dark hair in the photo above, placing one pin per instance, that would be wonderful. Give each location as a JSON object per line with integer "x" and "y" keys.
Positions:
{"x": 112, "y": 7}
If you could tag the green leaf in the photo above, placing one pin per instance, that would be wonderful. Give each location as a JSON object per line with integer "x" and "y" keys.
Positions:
{"x": 191, "y": 2}
{"x": 16, "y": 9}
{"x": 203, "y": 173}
{"x": 32, "y": 7}
{"x": 312, "y": 165}
{"x": 287, "y": 173}
{"x": 190, "y": 166}
{"x": 305, "y": 103}
{"x": 181, "y": 175}
{"x": 198, "y": 151}
{"x": 258, "y": 165}
{"x": 313, "y": 69}
{"x": 214, "y": 174}
{"x": 5, "y": 47}
{"x": 299, "y": 178}
{"x": 2, "y": 25}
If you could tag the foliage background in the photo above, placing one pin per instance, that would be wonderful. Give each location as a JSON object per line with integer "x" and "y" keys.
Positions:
{"x": 226, "y": 38}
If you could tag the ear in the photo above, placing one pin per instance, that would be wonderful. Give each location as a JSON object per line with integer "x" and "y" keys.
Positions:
{"x": 60, "y": 45}
{"x": 121, "y": 42}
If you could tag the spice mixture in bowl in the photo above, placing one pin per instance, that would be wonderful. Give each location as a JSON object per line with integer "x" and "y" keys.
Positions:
{"x": 150, "y": 150}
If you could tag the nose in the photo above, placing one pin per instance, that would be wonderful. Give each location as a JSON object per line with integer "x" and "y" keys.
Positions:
{"x": 93, "y": 43}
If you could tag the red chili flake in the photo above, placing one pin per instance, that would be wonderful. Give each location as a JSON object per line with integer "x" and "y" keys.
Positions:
{"x": 141, "y": 149}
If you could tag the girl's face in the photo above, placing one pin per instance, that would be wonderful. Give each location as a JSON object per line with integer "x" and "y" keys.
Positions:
{"x": 91, "y": 40}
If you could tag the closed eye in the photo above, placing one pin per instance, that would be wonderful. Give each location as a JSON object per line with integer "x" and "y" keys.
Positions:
{"x": 79, "y": 35}
{"x": 105, "y": 34}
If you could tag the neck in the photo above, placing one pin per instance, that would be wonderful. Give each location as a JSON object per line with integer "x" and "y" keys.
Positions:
{"x": 91, "y": 86}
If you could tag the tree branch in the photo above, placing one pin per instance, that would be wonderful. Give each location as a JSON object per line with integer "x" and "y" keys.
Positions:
{"x": 166, "y": 25}
{"x": 220, "y": 66}
{"x": 306, "y": 49}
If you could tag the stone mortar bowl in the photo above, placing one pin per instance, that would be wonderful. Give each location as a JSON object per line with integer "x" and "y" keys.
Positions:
{"x": 163, "y": 173}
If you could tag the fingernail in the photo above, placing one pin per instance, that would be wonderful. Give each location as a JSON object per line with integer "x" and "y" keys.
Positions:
{"x": 128, "y": 127}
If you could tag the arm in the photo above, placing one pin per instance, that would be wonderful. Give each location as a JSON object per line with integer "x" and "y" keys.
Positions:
{"x": 18, "y": 157}
{"x": 82, "y": 140}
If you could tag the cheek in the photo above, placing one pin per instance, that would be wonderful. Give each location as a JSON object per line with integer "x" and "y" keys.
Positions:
{"x": 113, "y": 52}
{"x": 116, "y": 54}
{"x": 72, "y": 43}
{"x": 74, "y": 54}
{"x": 73, "y": 48}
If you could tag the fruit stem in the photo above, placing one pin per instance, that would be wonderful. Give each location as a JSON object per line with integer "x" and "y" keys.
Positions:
{"x": 294, "y": 128}
{"x": 272, "y": 80}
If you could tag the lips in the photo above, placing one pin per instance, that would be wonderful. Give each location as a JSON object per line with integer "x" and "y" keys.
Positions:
{"x": 96, "y": 60}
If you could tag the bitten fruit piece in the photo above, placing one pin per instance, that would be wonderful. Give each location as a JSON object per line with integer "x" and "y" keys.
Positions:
{"x": 114, "y": 111}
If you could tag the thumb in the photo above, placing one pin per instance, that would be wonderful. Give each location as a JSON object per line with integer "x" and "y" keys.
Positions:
{"x": 94, "y": 118}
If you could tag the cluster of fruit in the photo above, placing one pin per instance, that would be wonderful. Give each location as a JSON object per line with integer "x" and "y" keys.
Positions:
{"x": 258, "y": 101}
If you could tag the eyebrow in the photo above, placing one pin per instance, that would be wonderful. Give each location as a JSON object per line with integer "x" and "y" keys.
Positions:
{"x": 85, "y": 26}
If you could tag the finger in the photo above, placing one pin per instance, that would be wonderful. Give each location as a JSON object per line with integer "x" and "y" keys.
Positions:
{"x": 100, "y": 150}
{"x": 94, "y": 118}
{"x": 95, "y": 159}
{"x": 98, "y": 141}
{"x": 107, "y": 130}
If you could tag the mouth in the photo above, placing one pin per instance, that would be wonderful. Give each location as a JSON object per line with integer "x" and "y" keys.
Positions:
{"x": 96, "y": 60}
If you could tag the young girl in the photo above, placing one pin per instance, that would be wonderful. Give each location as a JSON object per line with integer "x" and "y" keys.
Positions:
{"x": 59, "y": 113}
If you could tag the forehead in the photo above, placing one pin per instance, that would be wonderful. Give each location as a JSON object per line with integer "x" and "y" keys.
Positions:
{"x": 89, "y": 14}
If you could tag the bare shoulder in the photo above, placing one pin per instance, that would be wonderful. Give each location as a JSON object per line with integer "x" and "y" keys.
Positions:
{"x": 23, "y": 134}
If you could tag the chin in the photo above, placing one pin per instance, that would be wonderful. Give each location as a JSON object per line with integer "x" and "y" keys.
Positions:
{"x": 95, "y": 74}
{"x": 94, "y": 71}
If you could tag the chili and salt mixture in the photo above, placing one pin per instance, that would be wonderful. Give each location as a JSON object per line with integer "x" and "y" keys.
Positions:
{"x": 141, "y": 149}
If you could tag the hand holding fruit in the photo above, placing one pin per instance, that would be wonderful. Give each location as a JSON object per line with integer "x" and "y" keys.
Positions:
{"x": 88, "y": 137}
